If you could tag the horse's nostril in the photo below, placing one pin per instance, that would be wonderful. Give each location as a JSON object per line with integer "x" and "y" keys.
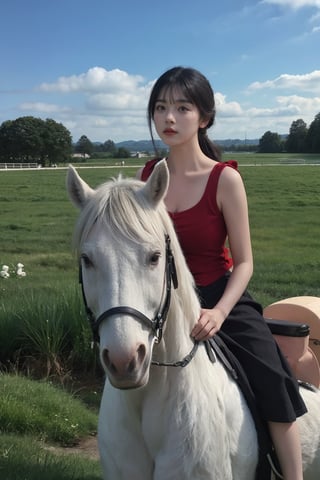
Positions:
{"x": 132, "y": 365}
{"x": 107, "y": 362}
{"x": 141, "y": 353}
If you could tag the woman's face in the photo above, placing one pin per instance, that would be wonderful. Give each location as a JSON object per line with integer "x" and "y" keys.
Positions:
{"x": 176, "y": 119}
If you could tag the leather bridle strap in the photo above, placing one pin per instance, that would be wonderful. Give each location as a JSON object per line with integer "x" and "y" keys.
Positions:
{"x": 126, "y": 311}
{"x": 155, "y": 324}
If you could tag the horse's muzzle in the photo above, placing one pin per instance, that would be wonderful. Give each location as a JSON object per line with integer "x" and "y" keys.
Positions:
{"x": 127, "y": 371}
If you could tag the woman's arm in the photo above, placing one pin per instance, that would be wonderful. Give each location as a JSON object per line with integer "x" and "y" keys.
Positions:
{"x": 232, "y": 201}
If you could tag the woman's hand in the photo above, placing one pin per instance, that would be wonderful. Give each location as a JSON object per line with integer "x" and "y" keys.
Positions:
{"x": 209, "y": 324}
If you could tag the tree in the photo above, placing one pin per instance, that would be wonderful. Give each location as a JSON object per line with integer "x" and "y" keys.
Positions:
{"x": 122, "y": 153}
{"x": 6, "y": 140}
{"x": 21, "y": 139}
{"x": 57, "y": 142}
{"x": 84, "y": 146}
{"x": 109, "y": 147}
{"x": 30, "y": 138}
{"x": 313, "y": 137}
{"x": 270, "y": 143}
{"x": 296, "y": 141}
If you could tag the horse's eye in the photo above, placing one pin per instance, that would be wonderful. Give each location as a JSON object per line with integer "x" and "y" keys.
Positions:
{"x": 154, "y": 258}
{"x": 86, "y": 261}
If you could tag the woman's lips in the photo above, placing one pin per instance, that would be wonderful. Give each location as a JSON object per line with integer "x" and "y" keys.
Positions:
{"x": 169, "y": 131}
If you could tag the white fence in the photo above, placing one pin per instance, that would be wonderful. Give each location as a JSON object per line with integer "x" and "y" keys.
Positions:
{"x": 7, "y": 166}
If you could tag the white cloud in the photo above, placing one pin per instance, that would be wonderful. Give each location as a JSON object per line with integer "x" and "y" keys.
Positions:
{"x": 295, "y": 4}
{"x": 254, "y": 121}
{"x": 227, "y": 109}
{"x": 121, "y": 101}
{"x": 96, "y": 79}
{"x": 309, "y": 82}
{"x": 282, "y": 111}
{"x": 109, "y": 103}
{"x": 289, "y": 106}
{"x": 42, "y": 107}
{"x": 304, "y": 105}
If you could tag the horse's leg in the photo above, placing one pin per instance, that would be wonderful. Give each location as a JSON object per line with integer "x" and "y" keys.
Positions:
{"x": 131, "y": 465}
{"x": 123, "y": 453}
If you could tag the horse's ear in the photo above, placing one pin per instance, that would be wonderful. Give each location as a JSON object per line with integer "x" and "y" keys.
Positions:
{"x": 157, "y": 184}
{"x": 78, "y": 190}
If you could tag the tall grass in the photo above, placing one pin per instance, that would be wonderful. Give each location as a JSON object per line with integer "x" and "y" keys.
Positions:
{"x": 47, "y": 334}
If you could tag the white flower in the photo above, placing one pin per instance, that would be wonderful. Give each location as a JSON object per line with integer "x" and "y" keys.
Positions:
{"x": 20, "y": 272}
{"x": 5, "y": 271}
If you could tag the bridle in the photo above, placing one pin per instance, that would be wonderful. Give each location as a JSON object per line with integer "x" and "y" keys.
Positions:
{"x": 157, "y": 323}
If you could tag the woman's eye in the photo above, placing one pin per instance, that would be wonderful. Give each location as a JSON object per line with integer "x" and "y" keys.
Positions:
{"x": 154, "y": 258}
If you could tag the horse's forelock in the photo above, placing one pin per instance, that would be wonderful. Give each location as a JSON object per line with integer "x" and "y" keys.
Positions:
{"x": 119, "y": 205}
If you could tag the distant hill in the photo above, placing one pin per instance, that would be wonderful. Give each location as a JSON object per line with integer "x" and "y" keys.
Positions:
{"x": 146, "y": 145}
{"x": 141, "y": 145}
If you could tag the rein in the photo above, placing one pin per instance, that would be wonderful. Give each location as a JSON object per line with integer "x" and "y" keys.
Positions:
{"x": 180, "y": 363}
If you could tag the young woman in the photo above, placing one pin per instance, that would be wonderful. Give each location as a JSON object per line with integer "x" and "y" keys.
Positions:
{"x": 207, "y": 202}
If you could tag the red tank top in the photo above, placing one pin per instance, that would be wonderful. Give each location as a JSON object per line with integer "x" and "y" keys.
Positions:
{"x": 202, "y": 231}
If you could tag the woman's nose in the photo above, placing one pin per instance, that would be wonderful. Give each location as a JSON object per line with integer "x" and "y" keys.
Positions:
{"x": 169, "y": 117}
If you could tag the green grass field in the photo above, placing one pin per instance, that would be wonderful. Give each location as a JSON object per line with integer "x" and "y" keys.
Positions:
{"x": 284, "y": 210}
{"x": 37, "y": 219}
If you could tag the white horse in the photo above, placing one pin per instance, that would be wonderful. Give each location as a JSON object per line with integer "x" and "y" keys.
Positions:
{"x": 160, "y": 422}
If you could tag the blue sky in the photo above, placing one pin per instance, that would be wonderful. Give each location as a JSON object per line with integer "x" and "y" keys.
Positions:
{"x": 90, "y": 65}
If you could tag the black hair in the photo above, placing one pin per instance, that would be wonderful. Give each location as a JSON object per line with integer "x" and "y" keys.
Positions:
{"x": 197, "y": 90}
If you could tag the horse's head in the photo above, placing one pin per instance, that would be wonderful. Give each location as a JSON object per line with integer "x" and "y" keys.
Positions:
{"x": 124, "y": 256}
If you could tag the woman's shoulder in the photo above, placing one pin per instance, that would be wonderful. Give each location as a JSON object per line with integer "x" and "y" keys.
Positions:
{"x": 231, "y": 189}
{"x": 221, "y": 169}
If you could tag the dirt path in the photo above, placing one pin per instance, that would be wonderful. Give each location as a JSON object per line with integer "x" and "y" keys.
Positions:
{"x": 87, "y": 447}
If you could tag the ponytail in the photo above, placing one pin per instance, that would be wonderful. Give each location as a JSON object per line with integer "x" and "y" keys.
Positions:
{"x": 209, "y": 148}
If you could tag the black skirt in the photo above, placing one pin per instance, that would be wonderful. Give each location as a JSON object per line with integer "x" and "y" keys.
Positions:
{"x": 249, "y": 338}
